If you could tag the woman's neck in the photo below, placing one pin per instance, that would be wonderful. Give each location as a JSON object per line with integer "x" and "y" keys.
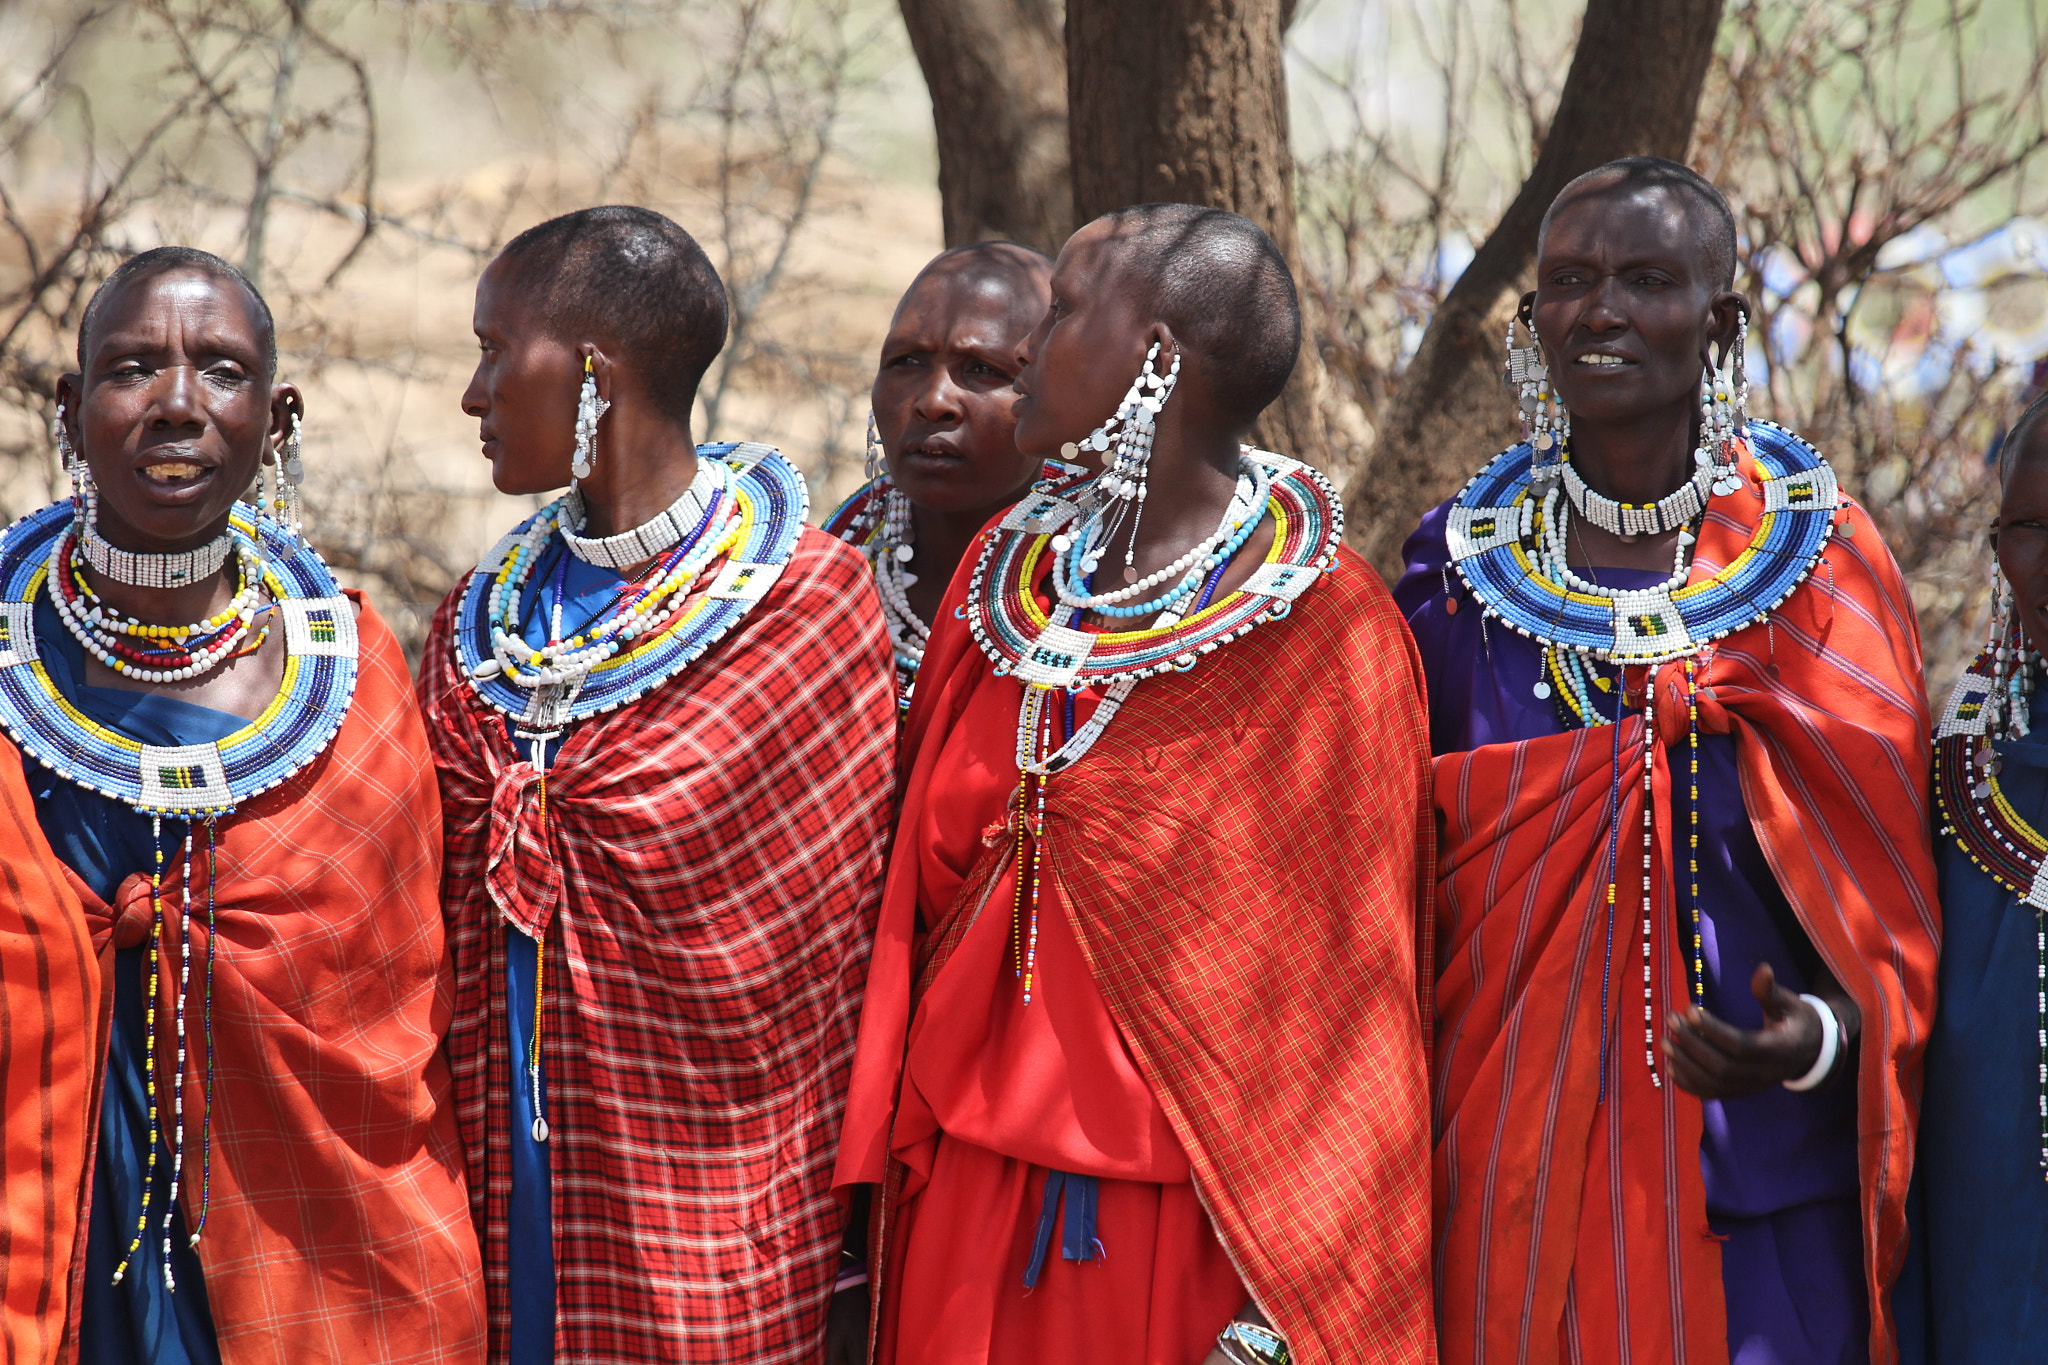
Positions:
{"x": 940, "y": 540}
{"x": 182, "y": 605}
{"x": 640, "y": 469}
{"x": 1639, "y": 460}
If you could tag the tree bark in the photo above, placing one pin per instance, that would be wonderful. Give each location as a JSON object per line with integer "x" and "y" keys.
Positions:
{"x": 997, "y": 74}
{"x": 1186, "y": 101}
{"x": 1633, "y": 89}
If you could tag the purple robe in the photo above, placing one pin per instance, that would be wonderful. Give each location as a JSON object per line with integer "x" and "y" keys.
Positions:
{"x": 1780, "y": 1167}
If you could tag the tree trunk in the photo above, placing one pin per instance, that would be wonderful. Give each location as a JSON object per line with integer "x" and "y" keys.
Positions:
{"x": 1633, "y": 89}
{"x": 997, "y": 74}
{"x": 1186, "y": 101}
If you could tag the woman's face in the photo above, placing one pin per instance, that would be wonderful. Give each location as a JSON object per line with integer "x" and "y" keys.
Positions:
{"x": 1084, "y": 353}
{"x": 175, "y": 408}
{"x": 1624, "y": 303}
{"x": 2023, "y": 533}
{"x": 944, "y": 394}
{"x": 524, "y": 391}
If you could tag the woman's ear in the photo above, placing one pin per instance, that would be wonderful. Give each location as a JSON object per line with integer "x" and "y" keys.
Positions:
{"x": 601, "y": 367}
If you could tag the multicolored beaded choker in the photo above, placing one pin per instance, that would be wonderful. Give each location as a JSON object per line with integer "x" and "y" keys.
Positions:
{"x": 876, "y": 520}
{"x": 196, "y": 782}
{"x": 609, "y": 669}
{"x": 1496, "y": 530}
{"x": 1059, "y": 660}
{"x": 1976, "y": 814}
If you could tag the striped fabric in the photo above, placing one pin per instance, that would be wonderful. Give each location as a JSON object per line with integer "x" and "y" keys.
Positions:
{"x": 1243, "y": 853}
{"x": 49, "y": 996}
{"x": 338, "y": 1229}
{"x": 706, "y": 879}
{"x": 1571, "y": 1229}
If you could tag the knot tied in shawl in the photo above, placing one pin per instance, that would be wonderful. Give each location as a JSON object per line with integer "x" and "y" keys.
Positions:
{"x": 523, "y": 877}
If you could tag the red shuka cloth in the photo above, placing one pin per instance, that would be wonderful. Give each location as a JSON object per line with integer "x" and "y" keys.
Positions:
{"x": 705, "y": 878}
{"x": 1242, "y": 856}
{"x": 1572, "y": 1230}
{"x": 49, "y": 997}
{"x": 338, "y": 1229}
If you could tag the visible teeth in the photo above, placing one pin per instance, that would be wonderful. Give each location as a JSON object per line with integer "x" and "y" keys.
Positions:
{"x": 174, "y": 469}
{"x": 1601, "y": 360}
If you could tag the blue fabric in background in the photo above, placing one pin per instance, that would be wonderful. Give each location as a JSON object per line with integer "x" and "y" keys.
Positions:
{"x": 139, "y": 1321}
{"x": 1972, "y": 1290}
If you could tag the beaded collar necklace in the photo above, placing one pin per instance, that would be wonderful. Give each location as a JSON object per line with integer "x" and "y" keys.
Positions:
{"x": 1976, "y": 814}
{"x": 1055, "y": 661}
{"x": 653, "y": 635}
{"x": 194, "y": 782}
{"x": 152, "y": 571}
{"x": 663, "y": 532}
{"x": 1498, "y": 528}
{"x": 876, "y": 520}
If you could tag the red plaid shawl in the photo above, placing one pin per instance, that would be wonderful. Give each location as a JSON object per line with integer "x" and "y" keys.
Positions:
{"x": 1571, "y": 1230}
{"x": 1243, "y": 853}
{"x": 49, "y": 995}
{"x": 338, "y": 1230}
{"x": 706, "y": 879}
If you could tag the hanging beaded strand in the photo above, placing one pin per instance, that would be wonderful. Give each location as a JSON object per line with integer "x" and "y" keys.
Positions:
{"x": 1649, "y": 901}
{"x": 178, "y": 1077}
{"x": 1692, "y": 712}
{"x": 156, "y": 928}
{"x": 540, "y": 962}
{"x": 206, "y": 1021}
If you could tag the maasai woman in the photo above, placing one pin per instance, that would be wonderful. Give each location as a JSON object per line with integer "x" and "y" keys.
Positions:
{"x": 942, "y": 459}
{"x": 1099, "y": 1083}
{"x": 663, "y": 717}
{"x": 1971, "y": 1293}
{"x": 223, "y": 752}
{"x": 1686, "y": 885}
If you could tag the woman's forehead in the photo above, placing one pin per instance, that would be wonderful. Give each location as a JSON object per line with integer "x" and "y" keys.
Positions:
{"x": 148, "y": 307}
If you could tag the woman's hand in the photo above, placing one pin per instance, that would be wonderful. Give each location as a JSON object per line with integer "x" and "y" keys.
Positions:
{"x": 846, "y": 1327}
{"x": 1715, "y": 1060}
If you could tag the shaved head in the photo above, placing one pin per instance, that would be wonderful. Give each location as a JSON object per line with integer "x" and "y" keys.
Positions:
{"x": 1713, "y": 222}
{"x": 633, "y": 279}
{"x": 1218, "y": 281}
{"x": 162, "y": 261}
{"x": 2025, "y": 425}
{"x": 1004, "y": 262}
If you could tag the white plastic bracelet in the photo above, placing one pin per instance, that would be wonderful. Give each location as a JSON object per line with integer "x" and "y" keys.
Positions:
{"x": 1830, "y": 1045}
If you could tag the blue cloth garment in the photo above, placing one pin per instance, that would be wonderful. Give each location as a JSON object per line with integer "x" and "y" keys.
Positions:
{"x": 1971, "y": 1292}
{"x": 584, "y": 590}
{"x": 1078, "y": 1239}
{"x": 1780, "y": 1167}
{"x": 139, "y": 1321}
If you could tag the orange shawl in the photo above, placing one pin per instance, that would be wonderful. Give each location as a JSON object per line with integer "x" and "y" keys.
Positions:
{"x": 49, "y": 994}
{"x": 339, "y": 1227}
{"x": 1572, "y": 1229}
{"x": 1245, "y": 856}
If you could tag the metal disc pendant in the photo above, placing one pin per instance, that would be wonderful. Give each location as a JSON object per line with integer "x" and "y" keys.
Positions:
{"x": 540, "y": 1130}
{"x": 1542, "y": 691}
{"x": 1130, "y": 574}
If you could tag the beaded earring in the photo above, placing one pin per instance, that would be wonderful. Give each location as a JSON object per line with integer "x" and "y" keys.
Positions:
{"x": 589, "y": 407}
{"x": 876, "y": 467}
{"x": 1130, "y": 430}
{"x": 1724, "y": 410}
{"x": 1545, "y": 424}
{"x": 82, "y": 490}
{"x": 2009, "y": 706}
{"x": 289, "y": 511}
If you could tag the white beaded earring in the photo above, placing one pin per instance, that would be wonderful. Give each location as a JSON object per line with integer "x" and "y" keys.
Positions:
{"x": 74, "y": 469}
{"x": 1130, "y": 429}
{"x": 291, "y": 470}
{"x": 589, "y": 407}
{"x": 1545, "y": 424}
{"x": 1724, "y": 410}
{"x": 876, "y": 467}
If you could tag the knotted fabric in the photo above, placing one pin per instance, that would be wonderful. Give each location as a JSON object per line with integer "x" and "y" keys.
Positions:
{"x": 705, "y": 876}
{"x": 337, "y": 1228}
